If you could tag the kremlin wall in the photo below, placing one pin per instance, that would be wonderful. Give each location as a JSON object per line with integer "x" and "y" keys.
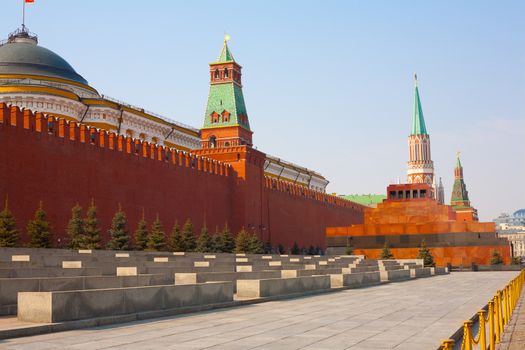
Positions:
{"x": 62, "y": 163}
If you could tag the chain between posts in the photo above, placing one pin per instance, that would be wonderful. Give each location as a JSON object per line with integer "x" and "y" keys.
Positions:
{"x": 500, "y": 309}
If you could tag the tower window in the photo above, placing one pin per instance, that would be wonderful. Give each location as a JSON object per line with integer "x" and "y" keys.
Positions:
{"x": 212, "y": 142}
{"x": 225, "y": 116}
{"x": 216, "y": 74}
{"x": 226, "y": 73}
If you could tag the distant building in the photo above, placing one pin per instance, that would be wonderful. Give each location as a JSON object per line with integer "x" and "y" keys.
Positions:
{"x": 369, "y": 200}
{"x": 507, "y": 222}
{"x": 517, "y": 240}
{"x": 512, "y": 227}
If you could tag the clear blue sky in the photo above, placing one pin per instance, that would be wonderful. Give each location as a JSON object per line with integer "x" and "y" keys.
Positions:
{"x": 328, "y": 84}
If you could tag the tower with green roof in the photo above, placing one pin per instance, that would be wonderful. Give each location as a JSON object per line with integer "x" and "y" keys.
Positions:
{"x": 420, "y": 164}
{"x": 226, "y": 121}
{"x": 459, "y": 196}
{"x": 459, "y": 199}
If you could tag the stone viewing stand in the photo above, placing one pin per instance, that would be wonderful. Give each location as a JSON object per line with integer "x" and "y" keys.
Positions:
{"x": 64, "y": 289}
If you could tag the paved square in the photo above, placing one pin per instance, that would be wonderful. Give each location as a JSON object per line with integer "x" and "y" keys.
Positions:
{"x": 415, "y": 314}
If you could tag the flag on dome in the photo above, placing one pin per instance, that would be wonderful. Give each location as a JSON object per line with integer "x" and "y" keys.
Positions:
{"x": 29, "y": 1}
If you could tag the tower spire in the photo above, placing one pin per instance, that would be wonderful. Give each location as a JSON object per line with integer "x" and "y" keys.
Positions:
{"x": 418, "y": 120}
{"x": 420, "y": 164}
{"x": 225, "y": 55}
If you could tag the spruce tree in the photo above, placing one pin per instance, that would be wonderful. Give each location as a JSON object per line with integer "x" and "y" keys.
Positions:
{"x": 496, "y": 258}
{"x": 205, "y": 241}
{"x": 242, "y": 242}
{"x": 188, "y": 237}
{"x": 312, "y": 250}
{"x": 280, "y": 248}
{"x": 156, "y": 240}
{"x": 8, "y": 231}
{"x": 175, "y": 239}
{"x": 295, "y": 249}
{"x": 75, "y": 228}
{"x": 268, "y": 247}
{"x": 118, "y": 232}
{"x": 225, "y": 241}
{"x": 141, "y": 234}
{"x": 349, "y": 249}
{"x": 215, "y": 238}
{"x": 424, "y": 253}
{"x": 386, "y": 253}
{"x": 91, "y": 229}
{"x": 255, "y": 245}
{"x": 39, "y": 230}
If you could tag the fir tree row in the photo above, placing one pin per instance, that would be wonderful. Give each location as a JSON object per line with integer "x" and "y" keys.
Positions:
{"x": 84, "y": 233}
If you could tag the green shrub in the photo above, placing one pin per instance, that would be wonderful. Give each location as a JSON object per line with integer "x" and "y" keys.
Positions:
{"x": 118, "y": 233}
{"x": 8, "y": 231}
{"x": 39, "y": 230}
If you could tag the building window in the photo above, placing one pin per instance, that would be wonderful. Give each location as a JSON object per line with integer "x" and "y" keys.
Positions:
{"x": 216, "y": 75}
{"x": 212, "y": 142}
{"x": 225, "y": 116}
{"x": 226, "y": 73}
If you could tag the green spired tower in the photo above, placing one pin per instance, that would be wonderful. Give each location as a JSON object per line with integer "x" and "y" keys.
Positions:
{"x": 459, "y": 192}
{"x": 459, "y": 200}
{"x": 226, "y": 121}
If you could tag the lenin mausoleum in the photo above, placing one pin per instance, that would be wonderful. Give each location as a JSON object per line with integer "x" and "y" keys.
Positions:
{"x": 415, "y": 212}
{"x": 65, "y": 143}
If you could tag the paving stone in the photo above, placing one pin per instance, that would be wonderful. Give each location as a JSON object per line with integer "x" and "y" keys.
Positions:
{"x": 416, "y": 314}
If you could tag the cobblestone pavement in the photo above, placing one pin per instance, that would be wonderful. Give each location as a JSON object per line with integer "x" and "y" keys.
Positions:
{"x": 416, "y": 314}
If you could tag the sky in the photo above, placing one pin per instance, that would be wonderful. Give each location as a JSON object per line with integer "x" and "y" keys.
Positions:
{"x": 328, "y": 84}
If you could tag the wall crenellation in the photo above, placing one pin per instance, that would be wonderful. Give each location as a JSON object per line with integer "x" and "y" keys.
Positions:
{"x": 100, "y": 138}
{"x": 298, "y": 190}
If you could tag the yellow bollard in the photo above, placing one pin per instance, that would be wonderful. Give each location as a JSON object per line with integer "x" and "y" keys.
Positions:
{"x": 497, "y": 312}
{"x": 467, "y": 335}
{"x": 447, "y": 344}
{"x": 505, "y": 308}
{"x": 482, "y": 335}
{"x": 491, "y": 326}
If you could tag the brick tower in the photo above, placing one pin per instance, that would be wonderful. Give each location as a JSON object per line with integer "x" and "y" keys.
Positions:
{"x": 420, "y": 164}
{"x": 459, "y": 199}
{"x": 226, "y": 136}
{"x": 226, "y": 121}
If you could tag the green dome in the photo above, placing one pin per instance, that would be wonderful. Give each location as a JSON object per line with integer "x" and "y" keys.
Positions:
{"x": 26, "y": 57}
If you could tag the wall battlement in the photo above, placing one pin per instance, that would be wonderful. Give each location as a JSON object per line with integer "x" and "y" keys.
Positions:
{"x": 302, "y": 191}
{"x": 100, "y": 138}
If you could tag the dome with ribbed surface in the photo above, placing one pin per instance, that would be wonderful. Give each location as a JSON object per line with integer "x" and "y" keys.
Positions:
{"x": 519, "y": 213}
{"x": 26, "y": 57}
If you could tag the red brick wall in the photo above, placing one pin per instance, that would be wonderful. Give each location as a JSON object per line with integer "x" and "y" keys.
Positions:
{"x": 64, "y": 166}
{"x": 295, "y": 217}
